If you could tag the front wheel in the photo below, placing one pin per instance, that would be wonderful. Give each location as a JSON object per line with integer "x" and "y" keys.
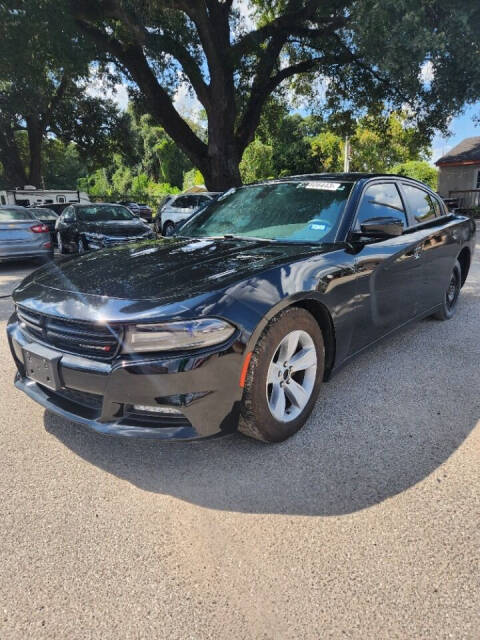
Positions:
{"x": 80, "y": 246}
{"x": 60, "y": 245}
{"x": 284, "y": 377}
{"x": 168, "y": 229}
{"x": 450, "y": 298}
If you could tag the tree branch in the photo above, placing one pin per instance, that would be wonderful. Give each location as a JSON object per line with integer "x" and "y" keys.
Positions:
{"x": 159, "y": 102}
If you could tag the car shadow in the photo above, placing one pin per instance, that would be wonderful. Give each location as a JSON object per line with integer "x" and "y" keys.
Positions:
{"x": 381, "y": 425}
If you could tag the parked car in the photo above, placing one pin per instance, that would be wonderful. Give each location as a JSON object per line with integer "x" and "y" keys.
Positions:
{"x": 140, "y": 210}
{"x": 22, "y": 235}
{"x": 180, "y": 208}
{"x": 145, "y": 212}
{"x": 95, "y": 226}
{"x": 238, "y": 321}
{"x": 56, "y": 207}
{"x": 49, "y": 219}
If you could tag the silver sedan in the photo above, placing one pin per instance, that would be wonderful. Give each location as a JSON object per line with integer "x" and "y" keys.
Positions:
{"x": 22, "y": 235}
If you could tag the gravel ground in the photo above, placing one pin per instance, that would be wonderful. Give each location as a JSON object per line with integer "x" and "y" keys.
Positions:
{"x": 365, "y": 525}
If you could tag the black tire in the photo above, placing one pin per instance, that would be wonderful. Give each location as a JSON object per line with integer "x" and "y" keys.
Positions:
{"x": 168, "y": 228}
{"x": 256, "y": 419}
{"x": 80, "y": 248}
{"x": 450, "y": 298}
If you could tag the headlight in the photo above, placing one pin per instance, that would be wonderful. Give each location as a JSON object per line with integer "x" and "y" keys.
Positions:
{"x": 174, "y": 336}
{"x": 96, "y": 237}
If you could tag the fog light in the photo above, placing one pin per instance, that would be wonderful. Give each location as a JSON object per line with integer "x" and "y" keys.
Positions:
{"x": 157, "y": 409}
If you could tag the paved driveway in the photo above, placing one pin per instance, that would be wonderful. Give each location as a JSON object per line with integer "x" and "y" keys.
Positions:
{"x": 365, "y": 525}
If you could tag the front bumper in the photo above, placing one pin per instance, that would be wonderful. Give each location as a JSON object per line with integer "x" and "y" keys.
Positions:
{"x": 195, "y": 396}
{"x": 105, "y": 242}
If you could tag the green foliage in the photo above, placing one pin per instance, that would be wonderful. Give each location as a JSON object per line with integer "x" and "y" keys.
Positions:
{"x": 192, "y": 178}
{"x": 257, "y": 162}
{"x": 420, "y": 170}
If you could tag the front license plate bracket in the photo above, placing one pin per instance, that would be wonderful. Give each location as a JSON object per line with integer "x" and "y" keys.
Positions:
{"x": 41, "y": 367}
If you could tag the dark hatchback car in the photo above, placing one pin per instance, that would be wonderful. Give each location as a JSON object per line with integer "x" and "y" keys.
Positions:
{"x": 237, "y": 321}
{"x": 82, "y": 227}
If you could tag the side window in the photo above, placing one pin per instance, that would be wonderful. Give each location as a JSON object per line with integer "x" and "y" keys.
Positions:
{"x": 419, "y": 203}
{"x": 478, "y": 179}
{"x": 380, "y": 201}
{"x": 437, "y": 206}
{"x": 3, "y": 200}
{"x": 181, "y": 203}
{"x": 68, "y": 214}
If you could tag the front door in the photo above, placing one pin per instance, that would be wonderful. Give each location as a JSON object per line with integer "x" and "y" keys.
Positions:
{"x": 389, "y": 271}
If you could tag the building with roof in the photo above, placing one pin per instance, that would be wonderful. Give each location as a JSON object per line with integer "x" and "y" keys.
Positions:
{"x": 459, "y": 172}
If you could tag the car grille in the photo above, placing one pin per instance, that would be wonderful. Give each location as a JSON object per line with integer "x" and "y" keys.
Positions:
{"x": 81, "y": 338}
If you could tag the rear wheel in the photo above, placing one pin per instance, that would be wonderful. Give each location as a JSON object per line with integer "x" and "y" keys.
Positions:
{"x": 284, "y": 377}
{"x": 450, "y": 299}
{"x": 168, "y": 229}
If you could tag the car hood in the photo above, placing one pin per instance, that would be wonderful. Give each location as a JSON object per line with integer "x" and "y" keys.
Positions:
{"x": 115, "y": 227}
{"x": 152, "y": 274}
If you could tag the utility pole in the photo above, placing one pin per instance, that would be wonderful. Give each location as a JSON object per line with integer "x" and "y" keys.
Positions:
{"x": 346, "y": 155}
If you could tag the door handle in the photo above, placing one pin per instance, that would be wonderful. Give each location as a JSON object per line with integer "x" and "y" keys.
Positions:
{"x": 417, "y": 252}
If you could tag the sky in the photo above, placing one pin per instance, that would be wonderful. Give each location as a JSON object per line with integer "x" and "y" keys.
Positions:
{"x": 461, "y": 127}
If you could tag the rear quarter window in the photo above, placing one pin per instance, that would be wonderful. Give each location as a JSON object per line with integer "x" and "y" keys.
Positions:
{"x": 10, "y": 215}
{"x": 420, "y": 203}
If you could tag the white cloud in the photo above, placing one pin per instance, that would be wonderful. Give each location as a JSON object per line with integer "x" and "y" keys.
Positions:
{"x": 244, "y": 8}
{"x": 98, "y": 88}
{"x": 427, "y": 72}
{"x": 186, "y": 102}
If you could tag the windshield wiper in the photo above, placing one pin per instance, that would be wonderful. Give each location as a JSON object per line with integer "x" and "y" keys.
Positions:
{"x": 230, "y": 236}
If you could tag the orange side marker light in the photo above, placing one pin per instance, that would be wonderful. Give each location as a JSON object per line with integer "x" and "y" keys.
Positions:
{"x": 246, "y": 362}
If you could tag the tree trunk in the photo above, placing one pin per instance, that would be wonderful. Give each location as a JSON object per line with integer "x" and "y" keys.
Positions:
{"x": 221, "y": 169}
{"x": 13, "y": 169}
{"x": 35, "y": 142}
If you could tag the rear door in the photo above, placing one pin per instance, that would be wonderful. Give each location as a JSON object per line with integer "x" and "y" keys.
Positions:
{"x": 430, "y": 224}
{"x": 388, "y": 270}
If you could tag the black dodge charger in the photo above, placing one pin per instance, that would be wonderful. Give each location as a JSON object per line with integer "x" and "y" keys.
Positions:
{"x": 238, "y": 320}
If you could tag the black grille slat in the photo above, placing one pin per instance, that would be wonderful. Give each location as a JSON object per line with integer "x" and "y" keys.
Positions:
{"x": 81, "y": 338}
{"x": 65, "y": 327}
{"x": 29, "y": 317}
{"x": 70, "y": 337}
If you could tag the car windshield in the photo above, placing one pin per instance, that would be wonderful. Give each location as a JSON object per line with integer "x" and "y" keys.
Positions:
{"x": 104, "y": 213}
{"x": 292, "y": 211}
{"x": 10, "y": 215}
{"x": 44, "y": 214}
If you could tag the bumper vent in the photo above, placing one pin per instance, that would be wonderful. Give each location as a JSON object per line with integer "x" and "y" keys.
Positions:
{"x": 81, "y": 338}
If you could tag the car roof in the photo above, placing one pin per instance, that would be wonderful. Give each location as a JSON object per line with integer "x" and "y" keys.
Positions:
{"x": 351, "y": 176}
{"x": 13, "y": 206}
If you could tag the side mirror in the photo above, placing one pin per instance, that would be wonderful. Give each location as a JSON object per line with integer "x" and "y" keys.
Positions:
{"x": 380, "y": 228}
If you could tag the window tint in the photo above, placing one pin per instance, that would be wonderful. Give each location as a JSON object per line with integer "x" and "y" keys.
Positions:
{"x": 420, "y": 203}
{"x": 381, "y": 200}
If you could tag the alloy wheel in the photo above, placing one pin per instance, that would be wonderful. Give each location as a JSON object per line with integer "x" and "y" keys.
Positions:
{"x": 291, "y": 376}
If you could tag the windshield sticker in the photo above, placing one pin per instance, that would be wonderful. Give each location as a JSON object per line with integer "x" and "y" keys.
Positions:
{"x": 321, "y": 185}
